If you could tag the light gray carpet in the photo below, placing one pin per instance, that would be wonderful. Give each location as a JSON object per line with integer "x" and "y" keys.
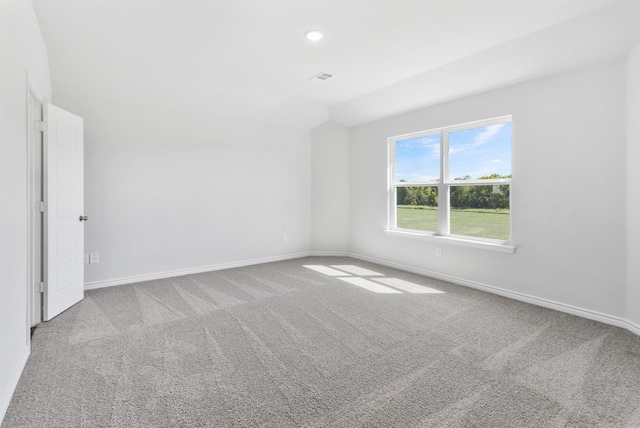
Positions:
{"x": 282, "y": 345}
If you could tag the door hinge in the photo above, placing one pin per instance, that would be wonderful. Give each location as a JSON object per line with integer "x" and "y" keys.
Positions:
{"x": 41, "y": 126}
{"x": 43, "y": 206}
{"x": 39, "y": 286}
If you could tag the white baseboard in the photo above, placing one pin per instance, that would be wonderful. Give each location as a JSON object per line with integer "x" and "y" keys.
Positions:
{"x": 562, "y": 307}
{"x": 13, "y": 382}
{"x": 330, "y": 254}
{"x": 633, "y": 328}
{"x": 189, "y": 271}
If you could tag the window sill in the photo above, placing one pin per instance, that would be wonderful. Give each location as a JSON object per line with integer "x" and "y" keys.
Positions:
{"x": 483, "y": 245}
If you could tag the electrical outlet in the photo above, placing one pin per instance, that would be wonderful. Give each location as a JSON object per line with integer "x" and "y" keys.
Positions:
{"x": 86, "y": 259}
{"x": 438, "y": 252}
{"x": 94, "y": 258}
{"x": 284, "y": 238}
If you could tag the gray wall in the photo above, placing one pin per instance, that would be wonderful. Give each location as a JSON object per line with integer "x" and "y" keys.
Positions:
{"x": 568, "y": 222}
{"x": 169, "y": 191}
{"x": 633, "y": 188}
{"x": 23, "y": 49}
{"x": 330, "y": 188}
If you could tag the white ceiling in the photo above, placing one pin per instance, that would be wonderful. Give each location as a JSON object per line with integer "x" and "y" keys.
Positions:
{"x": 249, "y": 58}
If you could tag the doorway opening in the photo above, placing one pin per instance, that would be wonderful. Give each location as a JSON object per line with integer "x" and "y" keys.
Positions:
{"x": 55, "y": 212}
{"x": 35, "y": 205}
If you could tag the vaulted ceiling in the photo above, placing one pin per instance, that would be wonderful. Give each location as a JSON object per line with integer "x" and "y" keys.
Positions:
{"x": 249, "y": 58}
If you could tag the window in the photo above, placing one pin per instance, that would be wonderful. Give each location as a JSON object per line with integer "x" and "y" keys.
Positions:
{"x": 453, "y": 182}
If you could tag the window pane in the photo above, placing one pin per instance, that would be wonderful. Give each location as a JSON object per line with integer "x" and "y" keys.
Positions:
{"x": 480, "y": 211}
{"x": 417, "y": 208}
{"x": 418, "y": 160}
{"x": 478, "y": 153}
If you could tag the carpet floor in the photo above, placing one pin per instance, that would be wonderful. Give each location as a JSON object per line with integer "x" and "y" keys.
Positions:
{"x": 323, "y": 342}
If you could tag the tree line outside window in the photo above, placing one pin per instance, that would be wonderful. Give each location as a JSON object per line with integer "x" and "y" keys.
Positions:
{"x": 461, "y": 197}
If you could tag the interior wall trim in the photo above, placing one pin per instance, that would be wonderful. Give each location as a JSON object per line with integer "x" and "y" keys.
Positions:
{"x": 558, "y": 306}
{"x": 330, "y": 254}
{"x": 550, "y": 304}
{"x": 189, "y": 271}
{"x": 633, "y": 328}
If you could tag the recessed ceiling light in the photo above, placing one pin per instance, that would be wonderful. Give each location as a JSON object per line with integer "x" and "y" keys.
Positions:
{"x": 314, "y": 35}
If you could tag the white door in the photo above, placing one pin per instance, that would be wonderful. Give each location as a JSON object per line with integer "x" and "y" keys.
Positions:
{"x": 64, "y": 214}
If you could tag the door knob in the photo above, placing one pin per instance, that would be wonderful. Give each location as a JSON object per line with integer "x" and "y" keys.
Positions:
{"x": 84, "y": 218}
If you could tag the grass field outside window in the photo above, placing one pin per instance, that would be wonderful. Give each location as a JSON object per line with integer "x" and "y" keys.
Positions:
{"x": 479, "y": 223}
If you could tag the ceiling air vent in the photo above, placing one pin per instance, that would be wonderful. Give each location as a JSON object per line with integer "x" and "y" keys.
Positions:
{"x": 321, "y": 77}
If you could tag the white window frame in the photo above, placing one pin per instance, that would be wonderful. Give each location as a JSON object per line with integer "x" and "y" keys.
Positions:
{"x": 444, "y": 186}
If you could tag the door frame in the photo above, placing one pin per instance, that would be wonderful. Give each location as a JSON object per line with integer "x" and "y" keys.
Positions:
{"x": 34, "y": 297}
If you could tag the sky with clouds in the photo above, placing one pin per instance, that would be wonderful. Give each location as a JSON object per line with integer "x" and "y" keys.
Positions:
{"x": 475, "y": 152}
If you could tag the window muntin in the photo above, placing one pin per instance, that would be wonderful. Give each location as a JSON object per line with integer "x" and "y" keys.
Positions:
{"x": 453, "y": 181}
